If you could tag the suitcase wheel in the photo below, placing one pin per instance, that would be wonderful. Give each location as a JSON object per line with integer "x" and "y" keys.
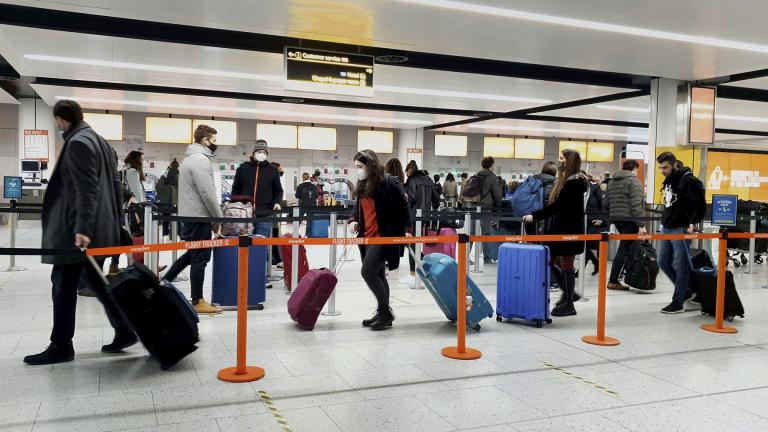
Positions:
{"x": 476, "y": 328}
{"x": 259, "y": 307}
{"x": 539, "y": 324}
{"x": 549, "y": 321}
{"x": 498, "y": 318}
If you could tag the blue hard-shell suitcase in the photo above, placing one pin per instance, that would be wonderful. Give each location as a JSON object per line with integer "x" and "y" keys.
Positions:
{"x": 318, "y": 228}
{"x": 523, "y": 283}
{"x": 225, "y": 276}
{"x": 440, "y": 276}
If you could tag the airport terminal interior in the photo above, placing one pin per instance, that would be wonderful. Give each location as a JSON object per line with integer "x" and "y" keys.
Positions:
{"x": 452, "y": 87}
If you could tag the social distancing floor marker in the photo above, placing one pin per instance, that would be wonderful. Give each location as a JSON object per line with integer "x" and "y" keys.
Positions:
{"x": 274, "y": 411}
{"x": 584, "y": 380}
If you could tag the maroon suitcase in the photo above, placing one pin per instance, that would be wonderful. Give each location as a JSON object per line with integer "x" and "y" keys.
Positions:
{"x": 287, "y": 253}
{"x": 310, "y": 296}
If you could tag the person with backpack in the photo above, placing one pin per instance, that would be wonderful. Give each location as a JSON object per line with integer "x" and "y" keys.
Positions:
{"x": 625, "y": 199}
{"x": 491, "y": 196}
{"x": 381, "y": 210}
{"x": 464, "y": 179}
{"x": 260, "y": 180}
{"x": 565, "y": 211}
{"x": 422, "y": 195}
{"x": 684, "y": 207}
{"x": 306, "y": 193}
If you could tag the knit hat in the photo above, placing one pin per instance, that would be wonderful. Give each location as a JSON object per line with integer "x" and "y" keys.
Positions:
{"x": 261, "y": 145}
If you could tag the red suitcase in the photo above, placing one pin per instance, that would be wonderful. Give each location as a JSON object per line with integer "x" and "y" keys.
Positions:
{"x": 310, "y": 296}
{"x": 287, "y": 254}
{"x": 138, "y": 257}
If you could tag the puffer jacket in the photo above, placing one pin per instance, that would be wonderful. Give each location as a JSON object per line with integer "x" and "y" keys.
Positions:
{"x": 197, "y": 191}
{"x": 625, "y": 197}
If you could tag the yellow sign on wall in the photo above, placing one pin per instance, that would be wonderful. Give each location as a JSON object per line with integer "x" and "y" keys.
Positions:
{"x": 737, "y": 173}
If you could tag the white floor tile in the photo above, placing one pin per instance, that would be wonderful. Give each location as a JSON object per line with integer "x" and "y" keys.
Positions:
{"x": 306, "y": 419}
{"x": 479, "y": 407}
{"x": 96, "y": 413}
{"x": 398, "y": 415}
{"x": 388, "y": 382}
{"x": 197, "y": 426}
{"x": 666, "y": 416}
{"x": 590, "y": 422}
{"x": 307, "y": 391}
{"x": 205, "y": 402}
{"x": 18, "y": 417}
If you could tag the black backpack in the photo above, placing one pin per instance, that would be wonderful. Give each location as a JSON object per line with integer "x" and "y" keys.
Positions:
{"x": 473, "y": 189}
{"x": 642, "y": 267}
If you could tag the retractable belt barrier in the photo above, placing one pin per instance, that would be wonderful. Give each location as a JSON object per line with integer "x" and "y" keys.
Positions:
{"x": 243, "y": 373}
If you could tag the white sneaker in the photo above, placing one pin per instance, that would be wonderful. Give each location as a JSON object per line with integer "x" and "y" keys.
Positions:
{"x": 408, "y": 280}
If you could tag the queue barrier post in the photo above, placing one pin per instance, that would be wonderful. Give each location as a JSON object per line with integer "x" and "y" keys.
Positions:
{"x": 718, "y": 326}
{"x": 460, "y": 351}
{"x": 601, "y": 339}
{"x": 14, "y": 220}
{"x": 241, "y": 372}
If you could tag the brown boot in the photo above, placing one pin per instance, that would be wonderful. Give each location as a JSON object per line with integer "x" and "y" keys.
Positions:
{"x": 202, "y": 307}
{"x": 618, "y": 286}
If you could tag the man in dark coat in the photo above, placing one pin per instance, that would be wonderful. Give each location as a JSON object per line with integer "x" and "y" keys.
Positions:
{"x": 81, "y": 209}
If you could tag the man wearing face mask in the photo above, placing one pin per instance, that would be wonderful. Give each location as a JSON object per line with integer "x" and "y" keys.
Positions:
{"x": 258, "y": 179}
{"x": 197, "y": 198}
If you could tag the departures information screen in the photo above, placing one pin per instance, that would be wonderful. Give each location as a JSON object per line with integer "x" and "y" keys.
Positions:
{"x": 328, "y": 72}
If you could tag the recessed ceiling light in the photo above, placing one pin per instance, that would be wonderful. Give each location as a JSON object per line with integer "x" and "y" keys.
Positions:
{"x": 391, "y": 59}
{"x": 271, "y": 78}
{"x": 590, "y": 25}
{"x": 633, "y": 137}
{"x": 624, "y": 108}
{"x": 742, "y": 118}
{"x": 259, "y": 111}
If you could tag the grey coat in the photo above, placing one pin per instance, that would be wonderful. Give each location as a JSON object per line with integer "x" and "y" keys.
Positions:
{"x": 625, "y": 197}
{"x": 490, "y": 192}
{"x": 197, "y": 192}
{"x": 83, "y": 195}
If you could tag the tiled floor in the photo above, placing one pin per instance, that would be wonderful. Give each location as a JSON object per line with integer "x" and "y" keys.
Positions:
{"x": 667, "y": 374}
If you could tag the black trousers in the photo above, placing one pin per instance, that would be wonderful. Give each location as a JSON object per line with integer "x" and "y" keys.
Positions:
{"x": 197, "y": 258}
{"x": 624, "y": 246}
{"x": 65, "y": 279}
{"x": 373, "y": 272}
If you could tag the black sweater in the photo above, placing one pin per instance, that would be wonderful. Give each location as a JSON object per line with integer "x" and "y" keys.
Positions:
{"x": 566, "y": 214}
{"x": 269, "y": 190}
{"x": 684, "y": 202}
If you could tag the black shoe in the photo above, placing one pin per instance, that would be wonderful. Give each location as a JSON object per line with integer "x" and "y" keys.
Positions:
{"x": 564, "y": 310}
{"x": 85, "y": 292}
{"x": 672, "y": 309}
{"x": 121, "y": 342}
{"x": 52, "y": 354}
{"x": 368, "y": 322}
{"x": 383, "y": 320}
{"x": 576, "y": 297}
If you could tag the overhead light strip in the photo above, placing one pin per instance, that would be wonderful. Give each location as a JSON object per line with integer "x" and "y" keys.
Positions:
{"x": 265, "y": 112}
{"x": 560, "y": 131}
{"x": 271, "y": 78}
{"x": 590, "y": 25}
{"x": 717, "y": 116}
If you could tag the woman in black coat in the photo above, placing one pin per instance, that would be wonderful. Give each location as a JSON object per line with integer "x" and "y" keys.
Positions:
{"x": 381, "y": 210}
{"x": 565, "y": 212}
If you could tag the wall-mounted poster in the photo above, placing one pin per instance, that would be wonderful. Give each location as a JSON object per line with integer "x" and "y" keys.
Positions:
{"x": 36, "y": 144}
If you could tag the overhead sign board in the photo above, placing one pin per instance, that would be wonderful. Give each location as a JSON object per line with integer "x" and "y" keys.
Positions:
{"x": 328, "y": 72}
{"x": 724, "y": 210}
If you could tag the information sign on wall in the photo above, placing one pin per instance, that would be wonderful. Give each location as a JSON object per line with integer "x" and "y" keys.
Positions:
{"x": 724, "y": 210}
{"x": 36, "y": 144}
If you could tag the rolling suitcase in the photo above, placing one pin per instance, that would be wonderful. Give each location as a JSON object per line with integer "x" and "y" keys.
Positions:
{"x": 225, "y": 276}
{"x": 523, "y": 279}
{"x": 138, "y": 241}
{"x": 161, "y": 316}
{"x": 440, "y": 274}
{"x": 287, "y": 253}
{"x": 313, "y": 290}
{"x": 318, "y": 228}
{"x": 705, "y": 287}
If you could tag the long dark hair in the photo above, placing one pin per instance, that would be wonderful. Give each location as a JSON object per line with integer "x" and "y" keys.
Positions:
{"x": 450, "y": 178}
{"x": 369, "y": 186}
{"x": 412, "y": 165}
{"x": 133, "y": 160}
{"x": 572, "y": 166}
{"x": 395, "y": 169}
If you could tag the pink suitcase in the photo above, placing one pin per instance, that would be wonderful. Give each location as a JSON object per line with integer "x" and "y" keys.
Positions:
{"x": 441, "y": 248}
{"x": 310, "y": 296}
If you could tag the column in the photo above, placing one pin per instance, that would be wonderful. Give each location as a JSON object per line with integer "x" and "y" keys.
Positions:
{"x": 662, "y": 129}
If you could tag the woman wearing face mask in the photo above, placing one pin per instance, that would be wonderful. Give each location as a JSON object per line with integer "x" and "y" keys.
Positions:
{"x": 381, "y": 210}
{"x": 565, "y": 212}
{"x": 260, "y": 181}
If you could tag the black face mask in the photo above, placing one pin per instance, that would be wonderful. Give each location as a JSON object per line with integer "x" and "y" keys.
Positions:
{"x": 212, "y": 147}
{"x": 281, "y": 173}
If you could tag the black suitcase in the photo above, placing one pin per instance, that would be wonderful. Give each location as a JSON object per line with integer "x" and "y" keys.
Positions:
{"x": 700, "y": 258}
{"x": 161, "y": 316}
{"x": 705, "y": 282}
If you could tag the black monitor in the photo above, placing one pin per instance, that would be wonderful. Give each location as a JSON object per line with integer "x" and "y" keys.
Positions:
{"x": 30, "y": 166}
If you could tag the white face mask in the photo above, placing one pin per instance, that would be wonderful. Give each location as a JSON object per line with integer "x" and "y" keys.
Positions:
{"x": 260, "y": 157}
{"x": 362, "y": 174}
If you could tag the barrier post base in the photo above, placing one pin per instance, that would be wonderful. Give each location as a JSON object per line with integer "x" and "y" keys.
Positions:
{"x": 252, "y": 373}
{"x": 715, "y": 329}
{"x": 469, "y": 354}
{"x": 13, "y": 269}
{"x": 606, "y": 341}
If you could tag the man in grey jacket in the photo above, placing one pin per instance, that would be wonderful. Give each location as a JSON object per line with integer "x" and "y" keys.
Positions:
{"x": 197, "y": 198}
{"x": 625, "y": 199}
{"x": 81, "y": 209}
{"x": 490, "y": 198}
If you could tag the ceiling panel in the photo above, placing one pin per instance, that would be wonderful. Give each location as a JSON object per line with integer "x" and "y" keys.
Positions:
{"x": 396, "y": 84}
{"x": 610, "y": 110}
{"x": 553, "y": 129}
{"x": 229, "y": 108}
{"x": 401, "y": 24}
{"x": 6, "y": 98}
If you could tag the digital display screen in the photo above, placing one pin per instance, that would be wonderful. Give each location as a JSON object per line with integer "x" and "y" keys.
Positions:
{"x": 328, "y": 72}
{"x": 702, "y": 129}
{"x": 30, "y": 166}
{"x": 737, "y": 173}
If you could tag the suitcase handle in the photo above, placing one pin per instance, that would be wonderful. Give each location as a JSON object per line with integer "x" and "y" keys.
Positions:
{"x": 96, "y": 267}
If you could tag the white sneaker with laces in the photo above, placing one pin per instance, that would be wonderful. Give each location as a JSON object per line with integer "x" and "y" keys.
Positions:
{"x": 408, "y": 280}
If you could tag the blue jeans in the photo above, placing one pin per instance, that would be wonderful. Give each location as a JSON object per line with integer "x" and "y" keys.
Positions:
{"x": 491, "y": 250}
{"x": 675, "y": 262}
